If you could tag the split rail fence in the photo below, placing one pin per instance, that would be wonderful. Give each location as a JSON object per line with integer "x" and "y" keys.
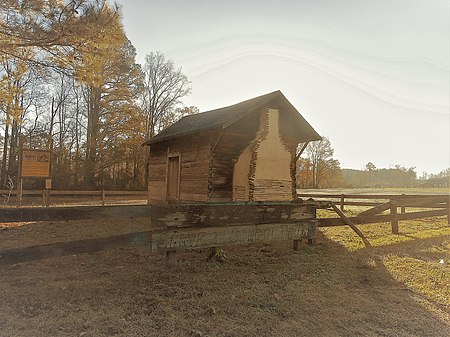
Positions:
{"x": 192, "y": 226}
{"x": 15, "y": 198}
{"x": 411, "y": 207}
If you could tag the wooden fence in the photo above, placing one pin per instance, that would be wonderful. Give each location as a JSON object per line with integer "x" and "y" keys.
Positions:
{"x": 192, "y": 226}
{"x": 46, "y": 195}
{"x": 419, "y": 207}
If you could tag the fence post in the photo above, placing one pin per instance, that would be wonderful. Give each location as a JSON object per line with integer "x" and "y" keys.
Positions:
{"x": 296, "y": 244}
{"x": 47, "y": 199}
{"x": 171, "y": 258}
{"x": 20, "y": 193}
{"x": 43, "y": 198}
{"x": 342, "y": 202}
{"x": 103, "y": 197}
{"x": 448, "y": 210}
{"x": 394, "y": 219}
{"x": 403, "y": 208}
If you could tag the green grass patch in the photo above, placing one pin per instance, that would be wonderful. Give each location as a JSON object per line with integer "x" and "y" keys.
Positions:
{"x": 429, "y": 278}
{"x": 418, "y": 257}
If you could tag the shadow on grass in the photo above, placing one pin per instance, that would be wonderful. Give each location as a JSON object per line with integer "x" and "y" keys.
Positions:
{"x": 419, "y": 248}
{"x": 262, "y": 290}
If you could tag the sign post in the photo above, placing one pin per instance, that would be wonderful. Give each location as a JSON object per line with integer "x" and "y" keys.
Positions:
{"x": 48, "y": 186}
{"x": 19, "y": 174}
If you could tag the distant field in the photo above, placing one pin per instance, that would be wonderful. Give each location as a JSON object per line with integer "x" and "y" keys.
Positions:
{"x": 405, "y": 190}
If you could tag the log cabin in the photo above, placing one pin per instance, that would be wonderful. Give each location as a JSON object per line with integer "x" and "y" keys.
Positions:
{"x": 243, "y": 152}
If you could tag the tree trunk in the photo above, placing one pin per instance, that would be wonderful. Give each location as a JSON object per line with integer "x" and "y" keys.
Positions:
{"x": 4, "y": 175}
{"x": 92, "y": 136}
{"x": 12, "y": 165}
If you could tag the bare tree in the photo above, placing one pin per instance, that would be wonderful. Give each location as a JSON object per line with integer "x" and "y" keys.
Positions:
{"x": 164, "y": 87}
{"x": 320, "y": 155}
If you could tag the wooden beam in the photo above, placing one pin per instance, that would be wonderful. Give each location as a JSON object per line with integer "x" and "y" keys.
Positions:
{"x": 362, "y": 220}
{"x": 209, "y": 214}
{"x": 352, "y": 226}
{"x": 365, "y": 196}
{"x": 175, "y": 215}
{"x": 301, "y": 151}
{"x": 57, "y": 249}
{"x": 74, "y": 213}
{"x": 195, "y": 238}
{"x": 217, "y": 141}
{"x": 421, "y": 202}
{"x": 377, "y": 209}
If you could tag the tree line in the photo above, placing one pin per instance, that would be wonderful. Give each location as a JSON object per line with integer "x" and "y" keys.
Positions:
{"x": 70, "y": 84}
{"x": 317, "y": 168}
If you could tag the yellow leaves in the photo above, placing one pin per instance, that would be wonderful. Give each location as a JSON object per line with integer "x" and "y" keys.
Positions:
{"x": 100, "y": 48}
{"x": 11, "y": 90}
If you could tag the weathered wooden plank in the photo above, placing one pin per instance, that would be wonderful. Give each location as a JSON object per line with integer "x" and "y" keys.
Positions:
{"x": 194, "y": 238}
{"x": 197, "y": 178}
{"x": 187, "y": 215}
{"x": 363, "y": 196}
{"x": 377, "y": 209}
{"x": 190, "y": 185}
{"x": 195, "y": 197}
{"x": 422, "y": 202}
{"x": 361, "y": 203}
{"x": 427, "y": 201}
{"x": 155, "y": 183}
{"x": 51, "y": 250}
{"x": 352, "y": 226}
{"x": 144, "y": 193}
{"x": 74, "y": 213}
{"x": 220, "y": 197}
{"x": 74, "y": 193}
{"x": 361, "y": 220}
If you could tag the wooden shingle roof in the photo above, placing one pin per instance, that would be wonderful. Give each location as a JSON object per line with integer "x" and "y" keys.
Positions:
{"x": 223, "y": 117}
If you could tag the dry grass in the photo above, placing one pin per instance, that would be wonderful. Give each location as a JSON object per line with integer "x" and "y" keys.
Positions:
{"x": 334, "y": 288}
{"x": 419, "y": 256}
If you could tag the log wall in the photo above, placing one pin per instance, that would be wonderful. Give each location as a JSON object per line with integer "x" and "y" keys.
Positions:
{"x": 252, "y": 158}
{"x": 194, "y": 152}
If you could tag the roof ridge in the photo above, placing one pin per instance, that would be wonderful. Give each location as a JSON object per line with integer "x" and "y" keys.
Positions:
{"x": 232, "y": 105}
{"x": 219, "y": 118}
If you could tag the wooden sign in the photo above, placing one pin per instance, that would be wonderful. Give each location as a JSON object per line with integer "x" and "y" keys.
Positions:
{"x": 35, "y": 163}
{"x": 232, "y": 213}
{"x": 194, "y": 238}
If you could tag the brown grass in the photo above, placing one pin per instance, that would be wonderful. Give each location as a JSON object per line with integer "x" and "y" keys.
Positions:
{"x": 334, "y": 288}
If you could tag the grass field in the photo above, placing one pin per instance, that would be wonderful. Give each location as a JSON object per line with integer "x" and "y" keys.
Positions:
{"x": 419, "y": 256}
{"x": 400, "y": 287}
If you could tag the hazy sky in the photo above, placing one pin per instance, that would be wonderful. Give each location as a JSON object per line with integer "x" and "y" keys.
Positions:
{"x": 372, "y": 76}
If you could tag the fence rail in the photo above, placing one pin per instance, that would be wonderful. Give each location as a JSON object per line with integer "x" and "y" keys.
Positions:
{"x": 440, "y": 205}
{"x": 47, "y": 194}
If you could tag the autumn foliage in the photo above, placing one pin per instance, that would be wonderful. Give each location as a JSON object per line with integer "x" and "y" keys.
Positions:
{"x": 69, "y": 83}
{"x": 317, "y": 168}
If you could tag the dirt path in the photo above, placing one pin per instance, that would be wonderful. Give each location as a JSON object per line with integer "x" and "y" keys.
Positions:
{"x": 261, "y": 290}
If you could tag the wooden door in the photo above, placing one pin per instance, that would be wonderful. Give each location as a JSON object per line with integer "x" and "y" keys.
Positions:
{"x": 173, "y": 178}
